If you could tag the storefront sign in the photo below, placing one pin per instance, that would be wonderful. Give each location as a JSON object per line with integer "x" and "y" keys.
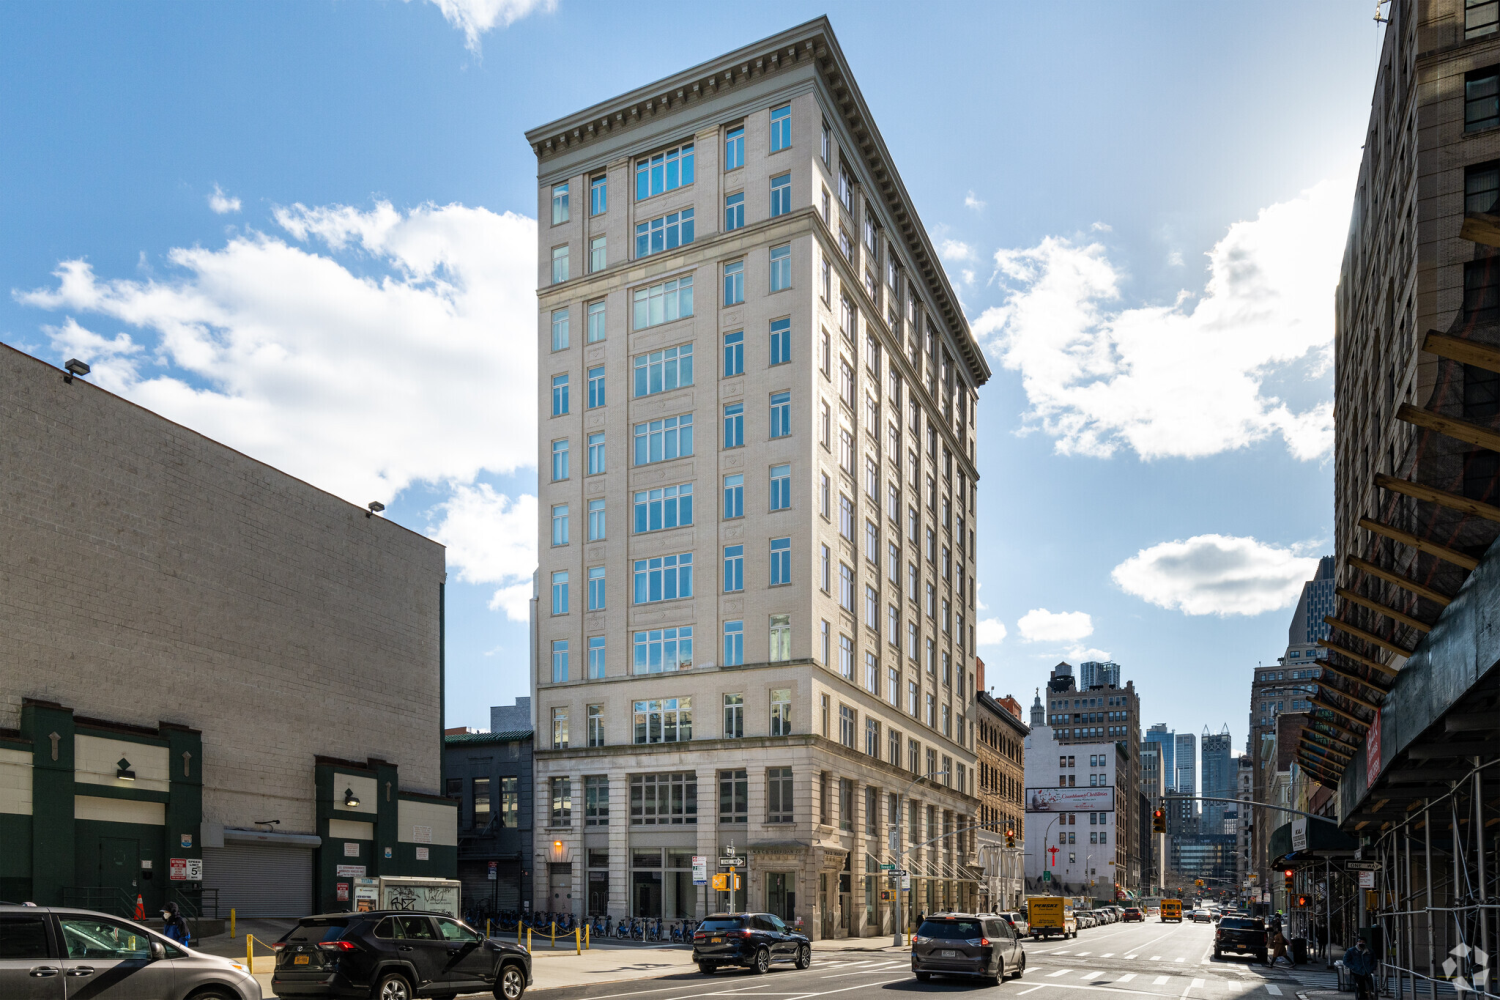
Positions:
{"x": 700, "y": 869}
{"x": 342, "y": 891}
{"x": 349, "y": 871}
{"x": 1053, "y": 800}
{"x": 185, "y": 869}
{"x": 1299, "y": 833}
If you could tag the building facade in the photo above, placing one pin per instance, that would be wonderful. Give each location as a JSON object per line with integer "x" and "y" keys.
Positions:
{"x": 1081, "y": 840}
{"x": 1166, "y": 739}
{"x": 489, "y": 775}
{"x": 217, "y": 683}
{"x": 758, "y": 502}
{"x": 1000, "y": 742}
{"x": 1153, "y": 793}
{"x": 1185, "y": 758}
{"x": 1218, "y": 779}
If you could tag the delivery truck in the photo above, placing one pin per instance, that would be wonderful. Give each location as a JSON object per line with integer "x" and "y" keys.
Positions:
{"x": 1049, "y": 915}
{"x": 397, "y": 892}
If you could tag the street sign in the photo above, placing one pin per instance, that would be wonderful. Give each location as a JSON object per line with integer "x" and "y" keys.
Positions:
{"x": 700, "y": 869}
{"x": 732, "y": 862}
{"x": 905, "y": 880}
{"x": 1046, "y": 876}
{"x": 1363, "y": 866}
{"x": 494, "y": 870}
{"x": 887, "y": 866}
{"x": 1367, "y": 880}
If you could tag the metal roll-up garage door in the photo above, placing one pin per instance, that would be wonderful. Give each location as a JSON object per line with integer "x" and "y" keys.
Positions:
{"x": 260, "y": 880}
{"x": 479, "y": 891}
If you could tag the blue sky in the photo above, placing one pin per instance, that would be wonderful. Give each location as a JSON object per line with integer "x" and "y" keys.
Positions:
{"x": 305, "y": 229}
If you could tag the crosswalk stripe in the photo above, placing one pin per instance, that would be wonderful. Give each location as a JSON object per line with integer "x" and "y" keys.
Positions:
{"x": 1059, "y": 972}
{"x": 1091, "y": 975}
{"x": 1273, "y": 989}
{"x": 1083, "y": 953}
{"x": 1179, "y": 960}
{"x": 1126, "y": 978}
{"x": 1108, "y": 954}
{"x": 1153, "y": 958}
{"x": 1159, "y": 980}
{"x": 1129, "y": 957}
{"x": 1197, "y": 983}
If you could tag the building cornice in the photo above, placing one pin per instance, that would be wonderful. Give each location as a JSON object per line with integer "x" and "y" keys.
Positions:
{"x": 812, "y": 43}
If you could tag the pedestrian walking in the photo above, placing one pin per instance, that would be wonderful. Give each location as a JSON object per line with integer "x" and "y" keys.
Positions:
{"x": 1361, "y": 964}
{"x": 1320, "y": 935}
{"x": 1277, "y": 942}
{"x": 173, "y": 926}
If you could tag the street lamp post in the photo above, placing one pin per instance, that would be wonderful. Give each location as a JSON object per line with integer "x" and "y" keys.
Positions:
{"x": 900, "y": 854}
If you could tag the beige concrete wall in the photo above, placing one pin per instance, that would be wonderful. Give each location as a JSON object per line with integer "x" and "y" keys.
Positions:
{"x": 150, "y": 574}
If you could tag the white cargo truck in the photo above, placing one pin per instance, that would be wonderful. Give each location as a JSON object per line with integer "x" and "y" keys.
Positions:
{"x": 396, "y": 892}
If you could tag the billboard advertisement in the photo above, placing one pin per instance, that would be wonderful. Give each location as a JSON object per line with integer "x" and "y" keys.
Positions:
{"x": 1055, "y": 800}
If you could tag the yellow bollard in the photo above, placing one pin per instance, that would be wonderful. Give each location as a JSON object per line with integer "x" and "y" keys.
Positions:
{"x": 586, "y": 929}
{"x": 577, "y": 941}
{"x": 528, "y": 940}
{"x": 250, "y": 953}
{"x": 486, "y": 926}
{"x": 231, "y": 922}
{"x": 554, "y": 933}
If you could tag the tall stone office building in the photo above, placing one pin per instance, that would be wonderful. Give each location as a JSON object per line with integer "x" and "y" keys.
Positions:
{"x": 756, "y": 620}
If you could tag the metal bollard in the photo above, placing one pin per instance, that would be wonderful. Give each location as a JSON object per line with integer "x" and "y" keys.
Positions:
{"x": 577, "y": 941}
{"x": 250, "y": 953}
{"x": 231, "y": 922}
{"x": 554, "y": 933}
{"x": 586, "y": 929}
{"x": 528, "y": 939}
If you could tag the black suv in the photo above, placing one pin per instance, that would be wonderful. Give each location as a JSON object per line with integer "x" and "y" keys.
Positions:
{"x": 967, "y": 944}
{"x": 752, "y": 940}
{"x": 395, "y": 955}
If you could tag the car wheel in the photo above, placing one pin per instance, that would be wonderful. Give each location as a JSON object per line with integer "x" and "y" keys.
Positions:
{"x": 393, "y": 986}
{"x": 804, "y": 957}
{"x": 999, "y": 976}
{"x": 213, "y": 994}
{"x": 762, "y": 963}
{"x": 922, "y": 977}
{"x": 1217, "y": 953}
{"x": 512, "y": 983}
{"x": 707, "y": 968}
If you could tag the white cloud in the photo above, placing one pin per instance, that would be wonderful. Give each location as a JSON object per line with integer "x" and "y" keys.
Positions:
{"x": 1102, "y": 227}
{"x": 955, "y": 250}
{"x": 1174, "y": 258}
{"x": 967, "y": 275}
{"x": 1041, "y": 625}
{"x": 990, "y": 632}
{"x": 1087, "y": 654}
{"x": 972, "y": 202}
{"x": 221, "y": 203}
{"x": 491, "y": 539}
{"x": 475, "y": 17}
{"x": 360, "y": 384}
{"x": 1216, "y": 575}
{"x": 1186, "y": 379}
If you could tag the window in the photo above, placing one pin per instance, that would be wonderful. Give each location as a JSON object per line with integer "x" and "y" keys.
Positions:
{"x": 824, "y": 569}
{"x": 947, "y": 722}
{"x": 596, "y": 660}
{"x": 734, "y": 496}
{"x": 734, "y": 148}
{"x": 781, "y": 485}
{"x": 872, "y": 543}
{"x": 598, "y": 195}
{"x": 931, "y": 712}
{"x": 734, "y": 425}
{"x": 663, "y": 508}
{"x": 663, "y": 303}
{"x": 872, "y": 479}
{"x": 779, "y": 795}
{"x": 823, "y": 143}
{"x": 560, "y": 594}
{"x": 734, "y": 644}
{"x": 510, "y": 802}
{"x": 559, "y": 329}
{"x": 846, "y": 589}
{"x": 846, "y": 800}
{"x": 664, "y": 370}
{"x": 596, "y": 797}
{"x": 596, "y": 386}
{"x": 734, "y": 353}
{"x": 823, "y": 495}
{"x": 734, "y": 282}
{"x": 781, "y": 414}
{"x": 664, "y": 799}
{"x": 781, "y": 627}
{"x": 734, "y": 797}
{"x": 596, "y": 520}
{"x": 663, "y": 649}
{"x": 663, "y": 578}
{"x": 781, "y": 195}
{"x": 781, "y": 562}
{"x": 781, "y": 128}
{"x": 825, "y": 423}
{"x": 1481, "y": 301}
{"x": 846, "y": 658}
{"x": 559, "y": 395}
{"x": 664, "y": 720}
{"x": 597, "y": 257}
{"x": 827, "y": 276}
{"x": 781, "y": 341}
{"x": 846, "y": 189}
{"x": 1481, "y": 17}
{"x": 781, "y": 268}
{"x": 596, "y": 588}
{"x": 872, "y": 674}
{"x": 734, "y": 568}
{"x": 663, "y": 172}
{"x": 911, "y": 587}
{"x": 596, "y": 453}
{"x": 663, "y": 440}
{"x": 664, "y": 233}
{"x": 1481, "y": 186}
{"x": 734, "y": 716}
{"x": 911, "y": 698}
{"x": 559, "y": 265}
{"x": 734, "y": 211}
{"x": 781, "y": 711}
{"x": 596, "y": 322}
{"x": 562, "y": 802}
{"x": 823, "y": 627}
{"x": 846, "y": 450}
{"x": 559, "y": 203}
{"x": 893, "y": 626}
{"x": 560, "y": 524}
{"x": 846, "y": 726}
{"x": 559, "y": 728}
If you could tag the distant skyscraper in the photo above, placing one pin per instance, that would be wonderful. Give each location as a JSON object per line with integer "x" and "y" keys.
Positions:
{"x": 1218, "y": 778}
{"x": 1186, "y": 760}
{"x": 1096, "y": 674}
{"x": 1161, "y": 735}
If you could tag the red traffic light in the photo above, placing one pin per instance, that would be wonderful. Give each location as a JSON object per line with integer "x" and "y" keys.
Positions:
{"x": 1287, "y": 873}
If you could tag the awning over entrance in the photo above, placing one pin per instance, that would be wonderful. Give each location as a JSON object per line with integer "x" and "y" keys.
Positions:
{"x": 1322, "y": 840}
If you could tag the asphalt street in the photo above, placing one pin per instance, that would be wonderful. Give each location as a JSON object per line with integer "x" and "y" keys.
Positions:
{"x": 1149, "y": 960}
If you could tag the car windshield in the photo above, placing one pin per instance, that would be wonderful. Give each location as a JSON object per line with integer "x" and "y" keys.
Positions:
{"x": 313, "y": 931}
{"x": 1241, "y": 924}
{"x": 713, "y": 925}
{"x": 952, "y": 930}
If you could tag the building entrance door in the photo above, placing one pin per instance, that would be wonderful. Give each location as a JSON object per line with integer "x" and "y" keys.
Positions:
{"x": 781, "y": 895}
{"x": 598, "y": 894}
{"x": 120, "y": 867}
{"x": 561, "y": 887}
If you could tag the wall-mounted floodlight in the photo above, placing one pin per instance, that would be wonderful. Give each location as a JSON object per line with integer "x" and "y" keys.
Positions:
{"x": 74, "y": 367}
{"x": 351, "y": 801}
{"x": 375, "y": 508}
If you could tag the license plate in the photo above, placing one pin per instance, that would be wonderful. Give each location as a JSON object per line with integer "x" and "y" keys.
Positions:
{"x": 715, "y": 940}
{"x": 299, "y": 960}
{"x": 948, "y": 953}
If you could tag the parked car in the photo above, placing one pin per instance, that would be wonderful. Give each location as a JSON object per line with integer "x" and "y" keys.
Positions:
{"x": 395, "y": 955}
{"x": 754, "y": 941}
{"x": 1017, "y": 921}
{"x": 1200, "y": 917}
{"x": 46, "y": 947}
{"x": 1241, "y": 935}
{"x": 967, "y": 944}
{"x": 1133, "y": 913}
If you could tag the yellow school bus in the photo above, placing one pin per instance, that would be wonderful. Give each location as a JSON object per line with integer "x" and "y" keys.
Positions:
{"x": 1171, "y": 909}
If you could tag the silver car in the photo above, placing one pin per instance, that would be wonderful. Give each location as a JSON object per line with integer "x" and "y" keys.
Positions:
{"x": 53, "y": 953}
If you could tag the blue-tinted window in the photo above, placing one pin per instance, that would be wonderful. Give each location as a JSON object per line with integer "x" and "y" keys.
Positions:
{"x": 596, "y": 657}
{"x": 781, "y": 341}
{"x": 559, "y": 460}
{"x": 596, "y": 387}
{"x": 559, "y": 329}
{"x": 663, "y": 440}
{"x": 663, "y": 508}
{"x": 663, "y": 649}
{"x": 734, "y": 425}
{"x": 734, "y": 148}
{"x": 560, "y": 524}
{"x": 663, "y": 172}
{"x": 663, "y": 578}
{"x": 781, "y": 561}
{"x": 734, "y": 212}
{"x": 781, "y": 195}
{"x": 734, "y": 495}
{"x": 663, "y": 303}
{"x": 734, "y": 283}
{"x": 560, "y": 592}
{"x": 663, "y": 371}
{"x": 598, "y": 195}
{"x": 596, "y": 453}
{"x": 734, "y": 644}
{"x": 781, "y": 414}
{"x": 596, "y": 588}
{"x": 781, "y": 128}
{"x": 559, "y": 395}
{"x": 734, "y": 353}
{"x": 666, "y": 233}
{"x": 781, "y": 487}
{"x": 734, "y": 568}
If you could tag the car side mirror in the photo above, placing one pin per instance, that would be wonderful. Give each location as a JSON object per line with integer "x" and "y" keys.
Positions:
{"x": 158, "y": 951}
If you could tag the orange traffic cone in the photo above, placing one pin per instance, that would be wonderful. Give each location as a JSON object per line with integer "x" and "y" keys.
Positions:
{"x": 140, "y": 908}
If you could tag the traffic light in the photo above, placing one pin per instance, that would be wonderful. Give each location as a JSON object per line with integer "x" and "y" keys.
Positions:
{"x": 1159, "y": 821}
{"x": 1010, "y": 837}
{"x": 1287, "y": 876}
{"x": 1301, "y": 900}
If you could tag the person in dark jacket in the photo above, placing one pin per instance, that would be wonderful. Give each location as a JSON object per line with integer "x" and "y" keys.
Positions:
{"x": 1361, "y": 965}
{"x": 173, "y": 926}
